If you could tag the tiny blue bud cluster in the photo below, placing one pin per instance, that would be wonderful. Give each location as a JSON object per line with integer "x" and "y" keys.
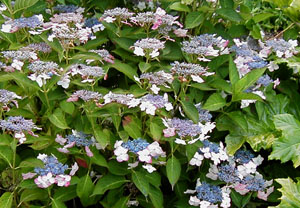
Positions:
{"x": 80, "y": 139}
{"x": 243, "y": 156}
{"x": 185, "y": 127}
{"x": 254, "y": 183}
{"x": 204, "y": 115}
{"x": 257, "y": 63}
{"x": 264, "y": 80}
{"x": 210, "y": 193}
{"x": 91, "y": 22}
{"x": 51, "y": 165}
{"x": 213, "y": 147}
{"x": 228, "y": 173}
{"x": 135, "y": 145}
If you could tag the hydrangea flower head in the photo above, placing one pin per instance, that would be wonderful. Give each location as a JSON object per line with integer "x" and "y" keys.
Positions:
{"x": 19, "y": 126}
{"x": 6, "y": 97}
{"x": 78, "y": 139}
{"x": 140, "y": 147}
{"x": 53, "y": 172}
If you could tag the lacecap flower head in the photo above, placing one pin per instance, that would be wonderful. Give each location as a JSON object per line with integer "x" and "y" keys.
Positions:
{"x": 53, "y": 172}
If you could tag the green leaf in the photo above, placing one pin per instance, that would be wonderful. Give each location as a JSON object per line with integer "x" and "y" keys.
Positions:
{"x": 6, "y": 200}
{"x": 214, "y": 102}
{"x": 230, "y": 14}
{"x": 58, "y": 119}
{"x": 67, "y": 107}
{"x": 143, "y": 66}
{"x": 239, "y": 200}
{"x": 233, "y": 143}
{"x": 55, "y": 45}
{"x": 99, "y": 159}
{"x": 262, "y": 16}
{"x": 23, "y": 4}
{"x": 6, "y": 154}
{"x": 177, "y": 6}
{"x": 117, "y": 168}
{"x": 263, "y": 140}
{"x": 153, "y": 178}
{"x": 190, "y": 110}
{"x": 33, "y": 194}
{"x": 156, "y": 128}
{"x": 248, "y": 80}
{"x": 156, "y": 197}
{"x": 108, "y": 182}
{"x": 65, "y": 194}
{"x": 122, "y": 202}
{"x": 58, "y": 204}
{"x": 287, "y": 147}
{"x": 245, "y": 96}
{"x": 133, "y": 126}
{"x": 125, "y": 69}
{"x": 84, "y": 189}
{"x": 141, "y": 182}
{"x": 9, "y": 37}
{"x": 173, "y": 168}
{"x": 233, "y": 71}
{"x": 194, "y": 19}
{"x": 101, "y": 136}
{"x": 290, "y": 193}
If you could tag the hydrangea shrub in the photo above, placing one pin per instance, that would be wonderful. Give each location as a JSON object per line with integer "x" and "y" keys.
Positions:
{"x": 191, "y": 103}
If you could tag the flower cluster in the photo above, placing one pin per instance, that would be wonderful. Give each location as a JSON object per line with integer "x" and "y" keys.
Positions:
{"x": 238, "y": 171}
{"x": 210, "y": 196}
{"x": 104, "y": 54}
{"x": 6, "y": 97}
{"x": 263, "y": 82}
{"x": 78, "y": 139}
{"x": 18, "y": 125}
{"x": 87, "y": 73}
{"x": 124, "y": 99}
{"x": 68, "y": 28}
{"x": 38, "y": 47}
{"x": 247, "y": 58}
{"x": 282, "y": 48}
{"x": 206, "y": 45}
{"x": 148, "y": 47}
{"x": 67, "y": 9}
{"x": 187, "y": 130}
{"x": 13, "y": 25}
{"x": 94, "y": 24}
{"x": 210, "y": 150}
{"x": 150, "y": 103}
{"x": 119, "y": 14}
{"x": 53, "y": 172}
{"x": 204, "y": 115}
{"x": 41, "y": 71}
{"x": 155, "y": 79}
{"x": 85, "y": 95}
{"x": 185, "y": 71}
{"x": 140, "y": 147}
{"x": 18, "y": 58}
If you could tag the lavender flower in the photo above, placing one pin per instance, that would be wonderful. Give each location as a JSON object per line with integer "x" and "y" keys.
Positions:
{"x": 78, "y": 139}
{"x": 120, "y": 14}
{"x": 6, "y": 97}
{"x": 19, "y": 55}
{"x": 185, "y": 127}
{"x": 105, "y": 55}
{"x": 38, "y": 47}
{"x": 157, "y": 78}
{"x": 125, "y": 99}
{"x": 12, "y": 26}
{"x": 143, "y": 19}
{"x": 88, "y": 73}
{"x": 148, "y": 47}
{"x": 204, "y": 115}
{"x": 282, "y": 48}
{"x": 85, "y": 95}
{"x": 94, "y": 24}
{"x": 18, "y": 125}
{"x": 42, "y": 71}
{"x": 140, "y": 147}
{"x": 209, "y": 195}
{"x": 243, "y": 156}
{"x": 187, "y": 70}
{"x": 53, "y": 172}
{"x": 205, "y": 45}
{"x": 150, "y": 103}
